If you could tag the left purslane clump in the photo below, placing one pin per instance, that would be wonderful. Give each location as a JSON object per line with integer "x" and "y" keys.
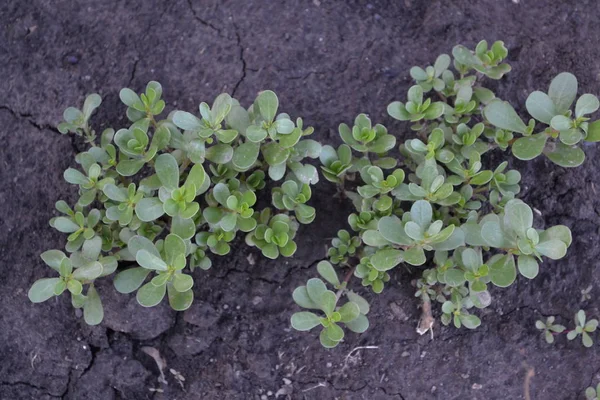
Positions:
{"x": 169, "y": 194}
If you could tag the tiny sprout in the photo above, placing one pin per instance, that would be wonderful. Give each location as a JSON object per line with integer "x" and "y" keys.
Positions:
{"x": 549, "y": 328}
{"x": 583, "y": 328}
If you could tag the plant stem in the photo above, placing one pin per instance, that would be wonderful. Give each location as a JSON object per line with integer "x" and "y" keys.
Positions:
{"x": 344, "y": 283}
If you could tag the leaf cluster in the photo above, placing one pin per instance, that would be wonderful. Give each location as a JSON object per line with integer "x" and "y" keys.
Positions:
{"x": 166, "y": 193}
{"x": 440, "y": 208}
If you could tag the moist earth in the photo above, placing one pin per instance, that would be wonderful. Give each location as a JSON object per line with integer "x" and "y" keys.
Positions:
{"x": 327, "y": 61}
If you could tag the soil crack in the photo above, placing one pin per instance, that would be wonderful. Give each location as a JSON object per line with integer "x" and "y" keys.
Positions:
{"x": 241, "y": 58}
{"x": 133, "y": 72}
{"x": 202, "y": 21}
{"x": 30, "y": 385}
{"x": 29, "y": 118}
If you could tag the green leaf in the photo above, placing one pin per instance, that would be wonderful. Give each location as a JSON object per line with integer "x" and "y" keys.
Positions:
{"x": 284, "y": 126}
{"x": 455, "y": 277}
{"x": 362, "y": 304}
{"x": 586, "y": 104}
{"x": 93, "y": 312}
{"x": 65, "y": 225}
{"x": 502, "y": 115}
{"x": 358, "y": 325}
{"x": 386, "y": 259}
{"x": 184, "y": 228}
{"x": 566, "y": 156}
{"x": 529, "y": 147}
{"x": 392, "y": 230}
{"x": 42, "y": 289}
{"x": 302, "y": 298}
{"x": 149, "y": 209}
{"x": 465, "y": 56}
{"x": 219, "y": 153}
{"x": 328, "y": 273}
{"x": 563, "y": 90}
{"x": 129, "y": 167}
{"x": 435, "y": 110}
{"x": 374, "y": 238}
{"x": 415, "y": 256}
{"x": 238, "y": 119}
{"x": 88, "y": 272}
{"x": 456, "y": 239}
{"x": 130, "y": 280}
{"x": 196, "y": 176}
{"x": 541, "y": 107}
{"x": 349, "y": 312}
{"x": 182, "y": 282}
{"x": 187, "y": 121}
{"x": 586, "y": 339}
{"x": 137, "y": 243}
{"x": 150, "y": 261}
{"x": 561, "y": 123}
{"x": 396, "y": 110}
{"x": 502, "y": 270}
{"x": 328, "y": 302}
{"x": 518, "y": 217}
{"x": 179, "y": 301}
{"x": 528, "y": 266}
{"x": 471, "y": 259}
{"x": 315, "y": 289}
{"x": 75, "y": 177}
{"x": 593, "y": 134}
{"x": 150, "y": 295}
{"x": 421, "y": 213}
{"x": 167, "y": 171}
{"x": 268, "y": 104}
{"x": 326, "y": 341}
{"x": 115, "y": 193}
{"x": 470, "y": 321}
{"x": 245, "y": 155}
{"x": 274, "y": 154}
{"x": 129, "y": 97}
{"x": 304, "y": 321}
{"x": 174, "y": 247}
{"x": 53, "y": 258}
{"x": 559, "y": 232}
{"x": 554, "y": 249}
{"x": 334, "y": 332}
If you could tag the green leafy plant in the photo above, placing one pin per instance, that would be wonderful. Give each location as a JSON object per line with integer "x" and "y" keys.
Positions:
{"x": 549, "y": 328}
{"x": 583, "y": 328}
{"x": 440, "y": 208}
{"x": 163, "y": 194}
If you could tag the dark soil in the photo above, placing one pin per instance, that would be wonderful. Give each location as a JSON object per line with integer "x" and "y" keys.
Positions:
{"x": 327, "y": 61}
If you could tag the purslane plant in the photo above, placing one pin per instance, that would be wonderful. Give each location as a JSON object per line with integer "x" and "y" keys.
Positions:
{"x": 164, "y": 194}
{"x": 584, "y": 327}
{"x": 442, "y": 209}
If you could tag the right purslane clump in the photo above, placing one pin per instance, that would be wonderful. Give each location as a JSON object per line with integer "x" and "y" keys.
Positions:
{"x": 435, "y": 207}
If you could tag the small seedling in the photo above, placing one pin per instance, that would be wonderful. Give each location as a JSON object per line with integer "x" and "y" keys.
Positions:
{"x": 586, "y": 293}
{"x": 583, "y": 328}
{"x": 549, "y": 328}
{"x": 166, "y": 193}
